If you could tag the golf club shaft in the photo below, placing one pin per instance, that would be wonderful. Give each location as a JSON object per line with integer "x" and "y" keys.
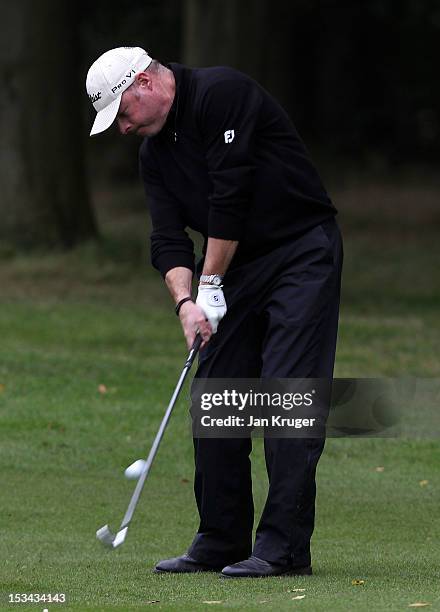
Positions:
{"x": 139, "y": 486}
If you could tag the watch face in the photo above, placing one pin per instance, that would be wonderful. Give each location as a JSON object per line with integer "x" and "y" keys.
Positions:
{"x": 217, "y": 280}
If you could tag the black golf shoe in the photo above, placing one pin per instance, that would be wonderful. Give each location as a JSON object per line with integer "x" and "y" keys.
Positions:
{"x": 258, "y": 568}
{"x": 184, "y": 565}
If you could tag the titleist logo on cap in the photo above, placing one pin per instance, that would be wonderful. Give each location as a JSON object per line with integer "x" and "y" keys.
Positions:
{"x": 95, "y": 97}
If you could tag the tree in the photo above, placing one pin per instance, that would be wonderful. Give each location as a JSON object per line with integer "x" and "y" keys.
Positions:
{"x": 251, "y": 35}
{"x": 225, "y": 33}
{"x": 44, "y": 198}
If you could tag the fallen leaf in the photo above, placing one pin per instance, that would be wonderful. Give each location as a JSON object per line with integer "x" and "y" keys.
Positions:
{"x": 212, "y": 602}
{"x": 2, "y": 388}
{"x": 56, "y": 427}
{"x": 184, "y": 480}
{"x": 419, "y": 604}
{"x": 357, "y": 582}
{"x": 380, "y": 469}
{"x": 294, "y": 590}
{"x": 102, "y": 389}
{"x": 298, "y": 597}
{"x": 423, "y": 483}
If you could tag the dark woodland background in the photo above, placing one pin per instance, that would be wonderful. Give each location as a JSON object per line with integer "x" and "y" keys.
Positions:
{"x": 359, "y": 80}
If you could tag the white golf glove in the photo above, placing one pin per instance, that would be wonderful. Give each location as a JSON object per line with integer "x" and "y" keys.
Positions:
{"x": 212, "y": 301}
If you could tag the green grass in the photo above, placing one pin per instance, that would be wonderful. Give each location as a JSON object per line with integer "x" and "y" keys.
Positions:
{"x": 97, "y": 316}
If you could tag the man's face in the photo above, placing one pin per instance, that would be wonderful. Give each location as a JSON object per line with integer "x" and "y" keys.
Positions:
{"x": 142, "y": 110}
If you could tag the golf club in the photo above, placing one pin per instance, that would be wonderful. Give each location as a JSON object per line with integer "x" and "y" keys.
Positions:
{"x": 104, "y": 534}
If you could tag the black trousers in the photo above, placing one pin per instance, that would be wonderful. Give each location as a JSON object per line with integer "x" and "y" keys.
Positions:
{"x": 281, "y": 322}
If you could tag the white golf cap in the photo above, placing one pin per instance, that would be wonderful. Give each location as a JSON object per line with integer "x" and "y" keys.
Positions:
{"x": 109, "y": 77}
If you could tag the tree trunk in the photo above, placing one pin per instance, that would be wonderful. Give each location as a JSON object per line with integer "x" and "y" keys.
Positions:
{"x": 44, "y": 199}
{"x": 210, "y": 36}
{"x": 251, "y": 35}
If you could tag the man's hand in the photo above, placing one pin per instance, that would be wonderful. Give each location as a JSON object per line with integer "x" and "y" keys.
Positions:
{"x": 193, "y": 319}
{"x": 210, "y": 307}
{"x": 212, "y": 301}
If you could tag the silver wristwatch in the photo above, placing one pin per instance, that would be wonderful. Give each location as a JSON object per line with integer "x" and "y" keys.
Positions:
{"x": 211, "y": 279}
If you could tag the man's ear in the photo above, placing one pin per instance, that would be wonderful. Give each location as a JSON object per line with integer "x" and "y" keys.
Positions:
{"x": 143, "y": 79}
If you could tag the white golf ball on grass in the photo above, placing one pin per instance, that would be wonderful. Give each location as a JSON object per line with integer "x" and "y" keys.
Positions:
{"x": 135, "y": 470}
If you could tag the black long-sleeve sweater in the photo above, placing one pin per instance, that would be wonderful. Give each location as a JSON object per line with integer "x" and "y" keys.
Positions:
{"x": 229, "y": 164}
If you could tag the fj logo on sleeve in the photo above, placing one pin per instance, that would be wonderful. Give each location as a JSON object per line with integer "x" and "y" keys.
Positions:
{"x": 229, "y": 136}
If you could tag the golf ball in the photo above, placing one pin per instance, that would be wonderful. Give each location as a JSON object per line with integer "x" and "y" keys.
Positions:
{"x": 135, "y": 469}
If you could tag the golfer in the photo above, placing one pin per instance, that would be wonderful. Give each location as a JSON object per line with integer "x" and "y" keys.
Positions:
{"x": 219, "y": 155}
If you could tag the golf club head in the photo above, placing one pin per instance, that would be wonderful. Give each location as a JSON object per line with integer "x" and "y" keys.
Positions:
{"x": 105, "y": 536}
{"x": 120, "y": 537}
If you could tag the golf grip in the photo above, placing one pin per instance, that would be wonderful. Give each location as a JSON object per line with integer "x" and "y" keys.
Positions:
{"x": 140, "y": 483}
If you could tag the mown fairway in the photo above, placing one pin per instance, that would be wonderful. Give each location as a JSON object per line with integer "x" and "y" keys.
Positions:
{"x": 90, "y": 352}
